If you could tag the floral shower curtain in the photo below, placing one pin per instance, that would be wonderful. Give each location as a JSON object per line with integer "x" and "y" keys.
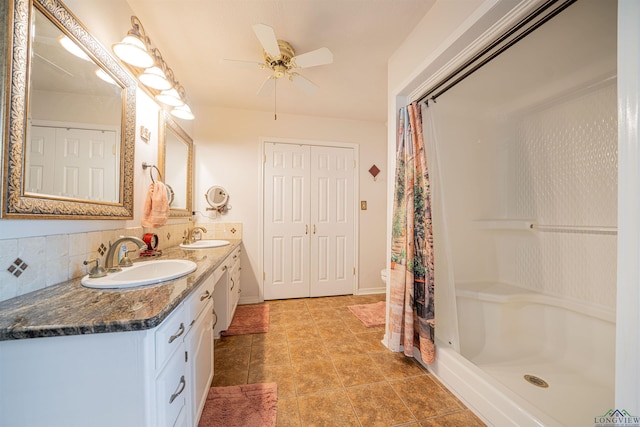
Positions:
{"x": 411, "y": 321}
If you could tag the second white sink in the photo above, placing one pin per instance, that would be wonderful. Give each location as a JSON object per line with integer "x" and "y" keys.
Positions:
{"x": 204, "y": 244}
{"x": 142, "y": 273}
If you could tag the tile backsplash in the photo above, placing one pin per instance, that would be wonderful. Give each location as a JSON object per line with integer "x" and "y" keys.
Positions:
{"x": 31, "y": 263}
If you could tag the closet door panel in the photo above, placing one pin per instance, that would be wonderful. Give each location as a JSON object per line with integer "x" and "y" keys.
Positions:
{"x": 286, "y": 221}
{"x": 332, "y": 219}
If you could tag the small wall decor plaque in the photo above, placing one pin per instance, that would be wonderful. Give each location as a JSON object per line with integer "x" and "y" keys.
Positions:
{"x": 374, "y": 171}
{"x": 145, "y": 134}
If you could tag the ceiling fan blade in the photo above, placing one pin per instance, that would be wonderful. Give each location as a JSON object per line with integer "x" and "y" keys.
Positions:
{"x": 320, "y": 56}
{"x": 268, "y": 86}
{"x": 267, "y": 38}
{"x": 250, "y": 65}
{"x": 303, "y": 83}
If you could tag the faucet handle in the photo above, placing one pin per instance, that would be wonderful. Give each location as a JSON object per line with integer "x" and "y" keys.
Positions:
{"x": 126, "y": 261}
{"x": 98, "y": 270}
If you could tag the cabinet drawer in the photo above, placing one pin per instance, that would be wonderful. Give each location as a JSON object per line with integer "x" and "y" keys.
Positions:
{"x": 217, "y": 273}
{"x": 198, "y": 300}
{"x": 169, "y": 335}
{"x": 234, "y": 256}
{"x": 171, "y": 390}
{"x": 199, "y": 345}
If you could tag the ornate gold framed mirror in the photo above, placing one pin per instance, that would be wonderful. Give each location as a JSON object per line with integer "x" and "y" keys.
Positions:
{"x": 175, "y": 160}
{"x": 69, "y": 119}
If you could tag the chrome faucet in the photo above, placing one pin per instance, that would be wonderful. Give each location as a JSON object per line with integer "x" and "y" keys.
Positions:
{"x": 113, "y": 249}
{"x": 193, "y": 233}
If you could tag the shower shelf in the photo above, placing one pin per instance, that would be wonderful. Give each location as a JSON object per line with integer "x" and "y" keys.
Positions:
{"x": 504, "y": 224}
{"x": 580, "y": 229}
{"x": 531, "y": 225}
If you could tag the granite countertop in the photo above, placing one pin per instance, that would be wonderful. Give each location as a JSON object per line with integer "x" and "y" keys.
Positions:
{"x": 68, "y": 308}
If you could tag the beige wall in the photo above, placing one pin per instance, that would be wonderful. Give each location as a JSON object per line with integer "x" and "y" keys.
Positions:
{"x": 423, "y": 49}
{"x": 228, "y": 153}
{"x": 54, "y": 249}
{"x": 445, "y": 31}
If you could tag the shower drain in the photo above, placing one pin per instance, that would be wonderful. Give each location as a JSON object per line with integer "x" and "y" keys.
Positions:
{"x": 538, "y": 382}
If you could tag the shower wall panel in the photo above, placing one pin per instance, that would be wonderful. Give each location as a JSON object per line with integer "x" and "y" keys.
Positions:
{"x": 562, "y": 171}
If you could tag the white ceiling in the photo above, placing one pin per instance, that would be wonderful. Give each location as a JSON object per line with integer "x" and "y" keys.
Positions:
{"x": 195, "y": 35}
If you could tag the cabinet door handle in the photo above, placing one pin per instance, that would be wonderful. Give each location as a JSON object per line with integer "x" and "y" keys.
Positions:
{"x": 173, "y": 337}
{"x": 306, "y": 229}
{"x": 205, "y": 296}
{"x": 224, "y": 268}
{"x": 180, "y": 389}
{"x": 216, "y": 321}
{"x": 314, "y": 229}
{"x": 233, "y": 283}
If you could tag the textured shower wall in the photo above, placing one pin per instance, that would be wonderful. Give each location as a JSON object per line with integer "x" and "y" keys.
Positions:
{"x": 562, "y": 170}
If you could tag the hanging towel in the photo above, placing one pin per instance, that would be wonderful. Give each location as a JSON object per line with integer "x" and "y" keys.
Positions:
{"x": 156, "y": 206}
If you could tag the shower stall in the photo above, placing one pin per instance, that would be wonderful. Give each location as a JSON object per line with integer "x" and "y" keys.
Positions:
{"x": 523, "y": 159}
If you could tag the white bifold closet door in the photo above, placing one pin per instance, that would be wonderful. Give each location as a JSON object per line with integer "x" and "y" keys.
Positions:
{"x": 73, "y": 163}
{"x": 309, "y": 227}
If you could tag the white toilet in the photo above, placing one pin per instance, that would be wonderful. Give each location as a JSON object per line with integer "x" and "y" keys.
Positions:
{"x": 383, "y": 275}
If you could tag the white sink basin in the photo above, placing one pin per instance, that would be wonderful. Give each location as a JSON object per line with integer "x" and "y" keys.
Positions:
{"x": 204, "y": 244}
{"x": 142, "y": 273}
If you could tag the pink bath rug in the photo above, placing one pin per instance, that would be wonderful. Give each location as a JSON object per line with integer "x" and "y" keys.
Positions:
{"x": 247, "y": 405}
{"x": 249, "y": 319}
{"x": 370, "y": 314}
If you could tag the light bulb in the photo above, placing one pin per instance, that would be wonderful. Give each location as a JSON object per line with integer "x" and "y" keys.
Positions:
{"x": 170, "y": 97}
{"x": 183, "y": 112}
{"x": 73, "y": 48}
{"x": 133, "y": 51}
{"x": 154, "y": 78}
{"x": 104, "y": 76}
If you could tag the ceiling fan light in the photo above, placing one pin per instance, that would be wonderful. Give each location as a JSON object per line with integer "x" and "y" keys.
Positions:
{"x": 183, "y": 112}
{"x": 279, "y": 71}
{"x": 170, "y": 97}
{"x": 154, "y": 78}
{"x": 133, "y": 51}
{"x": 71, "y": 47}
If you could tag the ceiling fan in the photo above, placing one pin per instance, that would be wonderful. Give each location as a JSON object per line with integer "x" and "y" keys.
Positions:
{"x": 282, "y": 62}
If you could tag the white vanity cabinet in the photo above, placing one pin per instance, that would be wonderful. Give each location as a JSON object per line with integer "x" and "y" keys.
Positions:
{"x": 234, "y": 282}
{"x": 199, "y": 347}
{"x": 152, "y": 378}
{"x": 171, "y": 375}
{"x": 227, "y": 291}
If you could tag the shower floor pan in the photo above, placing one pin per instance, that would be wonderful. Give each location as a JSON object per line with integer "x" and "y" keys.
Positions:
{"x": 571, "y": 398}
{"x": 509, "y": 332}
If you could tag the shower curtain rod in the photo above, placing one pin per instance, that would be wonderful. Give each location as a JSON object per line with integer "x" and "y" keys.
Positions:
{"x": 520, "y": 30}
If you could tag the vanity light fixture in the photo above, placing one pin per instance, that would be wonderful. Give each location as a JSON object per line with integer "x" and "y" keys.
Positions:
{"x": 154, "y": 78}
{"x": 133, "y": 47}
{"x": 73, "y": 48}
{"x": 148, "y": 66}
{"x": 183, "y": 112}
{"x": 170, "y": 97}
{"x": 104, "y": 76}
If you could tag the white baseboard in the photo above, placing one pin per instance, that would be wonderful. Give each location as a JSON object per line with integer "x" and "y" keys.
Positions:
{"x": 372, "y": 291}
{"x": 249, "y": 300}
{"x": 367, "y": 291}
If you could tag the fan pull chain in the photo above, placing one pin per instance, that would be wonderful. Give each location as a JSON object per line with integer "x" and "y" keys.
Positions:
{"x": 275, "y": 99}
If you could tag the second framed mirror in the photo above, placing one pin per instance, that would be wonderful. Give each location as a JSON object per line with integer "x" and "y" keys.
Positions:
{"x": 175, "y": 160}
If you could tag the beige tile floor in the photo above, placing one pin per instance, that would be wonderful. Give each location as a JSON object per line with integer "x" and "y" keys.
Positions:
{"x": 331, "y": 370}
